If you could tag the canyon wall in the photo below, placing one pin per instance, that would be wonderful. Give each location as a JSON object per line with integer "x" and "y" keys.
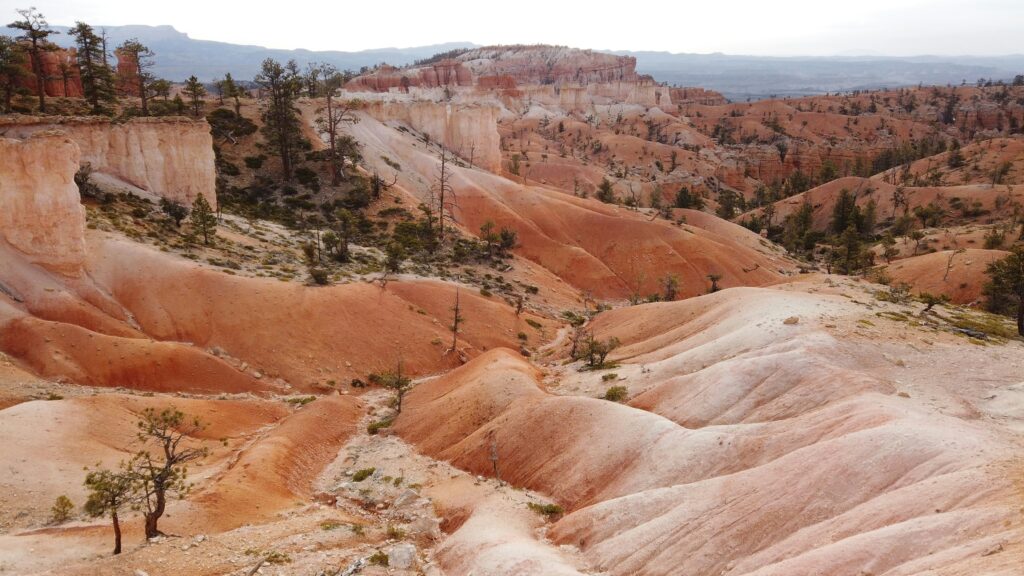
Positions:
{"x": 41, "y": 214}
{"x": 168, "y": 157}
{"x": 469, "y": 131}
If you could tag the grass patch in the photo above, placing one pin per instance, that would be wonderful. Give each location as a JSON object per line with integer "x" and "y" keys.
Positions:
{"x": 990, "y": 324}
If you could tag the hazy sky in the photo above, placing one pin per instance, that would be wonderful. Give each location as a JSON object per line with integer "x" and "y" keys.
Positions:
{"x": 763, "y": 27}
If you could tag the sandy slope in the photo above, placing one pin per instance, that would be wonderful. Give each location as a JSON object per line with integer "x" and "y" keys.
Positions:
{"x": 751, "y": 446}
{"x": 604, "y": 249}
{"x": 961, "y": 275}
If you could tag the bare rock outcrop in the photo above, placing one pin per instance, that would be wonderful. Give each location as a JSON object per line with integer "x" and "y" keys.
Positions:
{"x": 168, "y": 157}
{"x": 41, "y": 214}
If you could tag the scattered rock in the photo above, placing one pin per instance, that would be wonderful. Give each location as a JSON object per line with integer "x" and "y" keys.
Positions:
{"x": 993, "y": 550}
{"x": 402, "y": 556}
{"x": 141, "y": 573}
{"x": 791, "y": 320}
{"x": 405, "y": 498}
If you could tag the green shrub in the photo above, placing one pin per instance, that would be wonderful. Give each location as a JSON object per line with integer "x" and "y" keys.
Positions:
{"x": 546, "y": 509}
{"x": 319, "y": 275}
{"x": 363, "y": 474}
{"x": 379, "y": 559}
{"x": 300, "y": 401}
{"x": 609, "y": 377}
{"x": 61, "y": 511}
{"x": 275, "y": 557}
{"x": 616, "y": 393}
{"x": 374, "y": 427}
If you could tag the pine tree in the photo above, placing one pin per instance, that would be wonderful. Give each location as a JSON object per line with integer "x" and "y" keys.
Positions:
{"x": 36, "y": 30}
{"x": 1005, "y": 288}
{"x": 229, "y": 89}
{"x": 97, "y": 78}
{"x": 281, "y": 126}
{"x": 203, "y": 220}
{"x": 195, "y": 91}
{"x": 109, "y": 492}
{"x": 12, "y": 62}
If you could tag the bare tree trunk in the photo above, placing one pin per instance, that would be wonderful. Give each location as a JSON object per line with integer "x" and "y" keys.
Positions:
{"x": 455, "y": 321}
{"x": 37, "y": 68}
{"x": 152, "y": 517}
{"x": 142, "y": 90}
{"x": 117, "y": 532}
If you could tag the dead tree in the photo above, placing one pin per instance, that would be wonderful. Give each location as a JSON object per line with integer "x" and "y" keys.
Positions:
{"x": 330, "y": 119}
{"x": 444, "y": 194}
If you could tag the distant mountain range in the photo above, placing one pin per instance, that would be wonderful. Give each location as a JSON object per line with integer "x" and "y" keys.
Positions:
{"x": 755, "y": 77}
{"x": 178, "y": 56}
{"x": 738, "y": 77}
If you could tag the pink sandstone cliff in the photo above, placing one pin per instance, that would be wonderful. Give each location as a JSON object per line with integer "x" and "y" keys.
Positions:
{"x": 469, "y": 131}
{"x": 41, "y": 214}
{"x": 168, "y": 157}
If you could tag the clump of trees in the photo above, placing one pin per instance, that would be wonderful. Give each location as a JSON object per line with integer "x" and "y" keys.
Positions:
{"x": 98, "y": 84}
{"x": 593, "y": 351}
{"x": 91, "y": 66}
{"x": 156, "y": 472}
{"x": 281, "y": 122}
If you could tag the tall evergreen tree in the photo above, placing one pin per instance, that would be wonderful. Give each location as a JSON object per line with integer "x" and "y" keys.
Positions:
{"x": 195, "y": 91}
{"x": 203, "y": 220}
{"x": 35, "y": 31}
{"x": 12, "y": 62}
{"x": 97, "y": 78}
{"x": 229, "y": 89}
{"x": 281, "y": 125}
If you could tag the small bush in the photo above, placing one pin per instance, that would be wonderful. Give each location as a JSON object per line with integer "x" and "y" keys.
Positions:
{"x": 373, "y": 427}
{"x": 395, "y": 533}
{"x": 300, "y": 401}
{"x": 379, "y": 559}
{"x": 546, "y": 509}
{"x": 61, "y": 511}
{"x": 275, "y": 557}
{"x": 363, "y": 474}
{"x": 533, "y": 323}
{"x": 609, "y": 377}
{"x": 616, "y": 393}
{"x": 330, "y": 525}
{"x": 320, "y": 276}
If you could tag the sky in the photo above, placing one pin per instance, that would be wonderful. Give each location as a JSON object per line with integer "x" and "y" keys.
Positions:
{"x": 754, "y": 27}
